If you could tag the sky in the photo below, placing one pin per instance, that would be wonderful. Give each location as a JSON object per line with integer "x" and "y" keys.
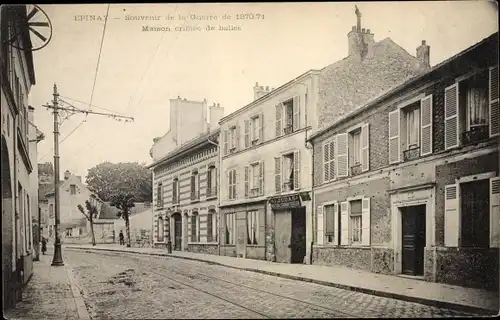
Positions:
{"x": 139, "y": 71}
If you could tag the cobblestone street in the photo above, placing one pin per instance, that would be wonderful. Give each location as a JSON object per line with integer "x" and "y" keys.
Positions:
{"x": 126, "y": 286}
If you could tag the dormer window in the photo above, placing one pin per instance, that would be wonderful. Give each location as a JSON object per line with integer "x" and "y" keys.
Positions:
{"x": 72, "y": 189}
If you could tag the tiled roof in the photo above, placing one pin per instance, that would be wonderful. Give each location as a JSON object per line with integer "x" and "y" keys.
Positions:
{"x": 351, "y": 82}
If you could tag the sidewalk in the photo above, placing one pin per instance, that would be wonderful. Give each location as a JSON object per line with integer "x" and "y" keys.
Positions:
{"x": 429, "y": 293}
{"x": 50, "y": 294}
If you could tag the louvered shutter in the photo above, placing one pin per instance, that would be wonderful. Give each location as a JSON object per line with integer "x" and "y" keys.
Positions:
{"x": 279, "y": 111}
{"x": 344, "y": 223}
{"x": 225, "y": 142}
{"x": 365, "y": 222}
{"x": 494, "y": 108}
{"x": 296, "y": 113}
{"x": 237, "y": 141}
{"x": 320, "y": 229}
{"x": 426, "y": 125}
{"x": 394, "y": 144}
{"x": 451, "y": 116}
{"x": 247, "y": 133}
{"x": 341, "y": 152}
{"x": 365, "y": 147}
{"x": 277, "y": 174}
{"x": 452, "y": 215}
{"x": 296, "y": 170}
{"x": 247, "y": 187}
{"x": 199, "y": 184}
{"x": 261, "y": 128}
{"x": 237, "y": 182}
{"x": 326, "y": 162}
{"x": 332, "y": 160}
{"x": 261, "y": 178}
{"x": 495, "y": 212}
{"x": 336, "y": 222}
{"x": 261, "y": 222}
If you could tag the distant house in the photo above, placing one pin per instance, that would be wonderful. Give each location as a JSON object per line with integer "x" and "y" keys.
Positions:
{"x": 141, "y": 226}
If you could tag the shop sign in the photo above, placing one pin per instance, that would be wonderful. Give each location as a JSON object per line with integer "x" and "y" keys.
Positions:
{"x": 285, "y": 202}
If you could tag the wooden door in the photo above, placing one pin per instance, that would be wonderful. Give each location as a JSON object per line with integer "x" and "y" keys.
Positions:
{"x": 298, "y": 241}
{"x": 283, "y": 235}
{"x": 177, "y": 233}
{"x": 241, "y": 231}
{"x": 413, "y": 240}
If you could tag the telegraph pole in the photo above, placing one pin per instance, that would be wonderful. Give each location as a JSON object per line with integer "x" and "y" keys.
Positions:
{"x": 57, "y": 259}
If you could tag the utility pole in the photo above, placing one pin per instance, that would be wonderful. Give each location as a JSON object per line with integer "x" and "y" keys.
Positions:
{"x": 57, "y": 259}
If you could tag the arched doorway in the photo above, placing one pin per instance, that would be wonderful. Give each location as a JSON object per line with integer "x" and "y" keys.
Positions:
{"x": 177, "y": 231}
{"x": 7, "y": 228}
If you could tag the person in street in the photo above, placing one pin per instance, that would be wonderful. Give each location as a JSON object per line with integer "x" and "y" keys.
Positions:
{"x": 44, "y": 245}
{"x": 122, "y": 241}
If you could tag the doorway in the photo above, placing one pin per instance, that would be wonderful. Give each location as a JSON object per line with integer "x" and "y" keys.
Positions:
{"x": 413, "y": 240}
{"x": 298, "y": 235}
{"x": 177, "y": 231}
{"x": 290, "y": 235}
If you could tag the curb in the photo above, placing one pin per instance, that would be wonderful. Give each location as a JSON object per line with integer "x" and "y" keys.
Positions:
{"x": 424, "y": 301}
{"x": 79, "y": 302}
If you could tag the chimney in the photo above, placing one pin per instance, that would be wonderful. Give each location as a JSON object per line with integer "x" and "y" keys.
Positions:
{"x": 360, "y": 40}
{"x": 67, "y": 174}
{"x": 260, "y": 91}
{"x": 216, "y": 113}
{"x": 423, "y": 54}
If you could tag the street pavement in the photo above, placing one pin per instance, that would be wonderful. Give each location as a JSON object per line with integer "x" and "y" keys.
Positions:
{"x": 125, "y": 286}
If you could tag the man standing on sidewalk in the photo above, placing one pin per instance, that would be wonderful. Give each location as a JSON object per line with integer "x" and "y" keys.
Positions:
{"x": 122, "y": 241}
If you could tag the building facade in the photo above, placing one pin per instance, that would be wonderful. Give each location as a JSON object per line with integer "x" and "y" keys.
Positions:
{"x": 409, "y": 183}
{"x": 185, "y": 180}
{"x": 18, "y": 76}
{"x": 266, "y": 173}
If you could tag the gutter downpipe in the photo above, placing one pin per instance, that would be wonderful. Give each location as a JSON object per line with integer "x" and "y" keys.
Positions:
{"x": 218, "y": 194}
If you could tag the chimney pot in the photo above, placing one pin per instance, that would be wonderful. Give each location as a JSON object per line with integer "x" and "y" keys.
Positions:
{"x": 218, "y": 104}
{"x": 367, "y": 30}
{"x": 261, "y": 88}
{"x": 423, "y": 42}
{"x": 267, "y": 88}
{"x": 256, "y": 84}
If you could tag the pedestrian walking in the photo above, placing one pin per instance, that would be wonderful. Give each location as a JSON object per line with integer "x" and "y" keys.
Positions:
{"x": 122, "y": 240}
{"x": 44, "y": 245}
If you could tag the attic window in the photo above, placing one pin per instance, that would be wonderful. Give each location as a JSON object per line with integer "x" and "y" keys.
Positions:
{"x": 72, "y": 189}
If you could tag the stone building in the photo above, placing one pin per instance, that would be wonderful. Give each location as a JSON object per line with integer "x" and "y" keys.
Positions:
{"x": 185, "y": 179}
{"x": 266, "y": 166}
{"x": 408, "y": 184}
{"x": 18, "y": 77}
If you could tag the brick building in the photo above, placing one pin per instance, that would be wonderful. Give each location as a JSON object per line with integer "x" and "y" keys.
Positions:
{"x": 185, "y": 181}
{"x": 408, "y": 183}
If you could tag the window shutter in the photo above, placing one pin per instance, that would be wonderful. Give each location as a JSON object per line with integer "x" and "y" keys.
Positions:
{"x": 451, "y": 116}
{"x": 451, "y": 215}
{"x": 225, "y": 142}
{"x": 394, "y": 144}
{"x": 332, "y": 160}
{"x": 341, "y": 155}
{"x": 320, "y": 230}
{"x": 296, "y": 170}
{"x": 277, "y": 174}
{"x": 426, "y": 125}
{"x": 494, "y": 108}
{"x": 237, "y": 142}
{"x": 247, "y": 187}
{"x": 344, "y": 223}
{"x": 365, "y": 147}
{"x": 365, "y": 222}
{"x": 279, "y": 111}
{"x": 296, "y": 113}
{"x": 326, "y": 162}
{"x": 495, "y": 212}
{"x": 209, "y": 178}
{"x": 261, "y": 127}
{"x": 237, "y": 180}
{"x": 247, "y": 133}
{"x": 199, "y": 183}
{"x": 193, "y": 183}
{"x": 261, "y": 223}
{"x": 228, "y": 179}
{"x": 261, "y": 178}
{"x": 336, "y": 222}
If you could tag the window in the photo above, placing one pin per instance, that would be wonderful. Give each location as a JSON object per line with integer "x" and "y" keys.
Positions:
{"x": 412, "y": 117}
{"x": 175, "y": 191}
{"x": 160, "y": 229}
{"x": 329, "y": 161}
{"x": 72, "y": 189}
{"x": 355, "y": 222}
{"x": 51, "y": 230}
{"x": 475, "y": 207}
{"x": 288, "y": 172}
{"x": 209, "y": 227}
{"x": 329, "y": 211}
{"x": 355, "y": 147}
{"x": 230, "y": 229}
{"x": 474, "y": 96}
{"x": 51, "y": 210}
{"x": 69, "y": 232}
{"x": 159, "y": 195}
{"x": 211, "y": 181}
{"x": 288, "y": 126}
{"x": 195, "y": 231}
{"x": 232, "y": 138}
{"x": 252, "y": 227}
{"x": 255, "y": 128}
{"x": 232, "y": 184}
{"x": 195, "y": 186}
{"x": 287, "y": 116}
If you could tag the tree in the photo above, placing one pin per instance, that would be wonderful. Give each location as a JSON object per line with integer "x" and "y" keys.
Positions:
{"x": 90, "y": 215}
{"x": 110, "y": 179}
{"x": 124, "y": 202}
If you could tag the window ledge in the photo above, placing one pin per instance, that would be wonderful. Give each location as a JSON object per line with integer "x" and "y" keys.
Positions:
{"x": 195, "y": 200}
{"x": 190, "y": 242}
{"x": 211, "y": 197}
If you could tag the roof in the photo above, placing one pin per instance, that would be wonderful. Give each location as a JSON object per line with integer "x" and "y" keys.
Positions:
{"x": 187, "y": 147}
{"x": 44, "y": 189}
{"x": 352, "y": 81}
{"x": 402, "y": 85}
